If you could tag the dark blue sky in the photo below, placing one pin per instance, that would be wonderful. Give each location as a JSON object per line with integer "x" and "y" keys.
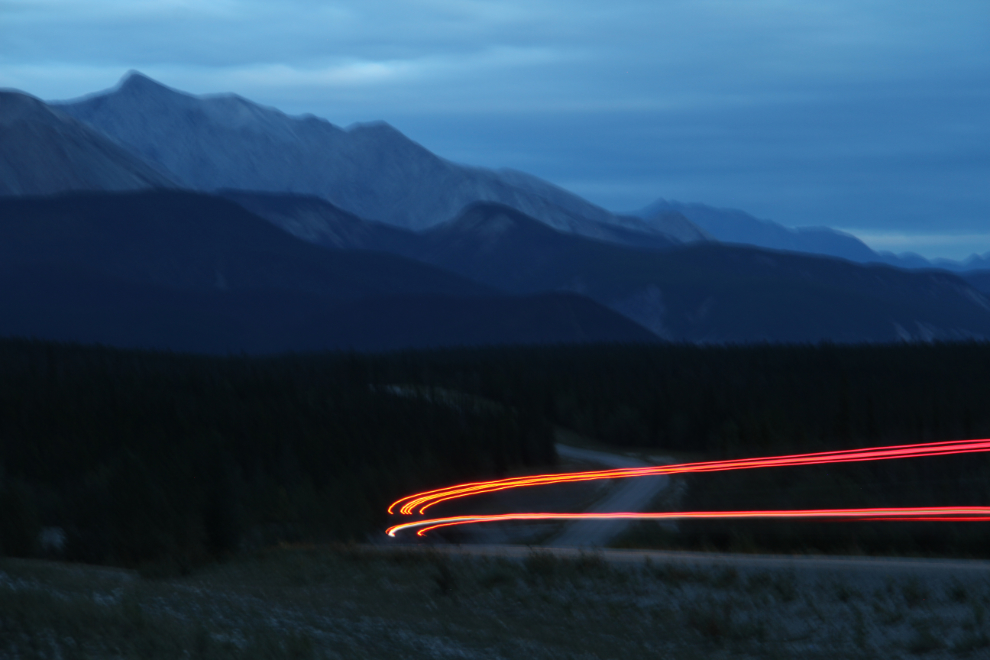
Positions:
{"x": 871, "y": 116}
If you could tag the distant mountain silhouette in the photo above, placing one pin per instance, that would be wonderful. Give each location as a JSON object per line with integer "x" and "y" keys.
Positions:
{"x": 188, "y": 271}
{"x": 973, "y": 262}
{"x": 708, "y": 292}
{"x": 43, "y": 151}
{"x": 372, "y": 170}
{"x": 735, "y": 226}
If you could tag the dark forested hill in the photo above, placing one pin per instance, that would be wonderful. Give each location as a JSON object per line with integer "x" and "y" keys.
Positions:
{"x": 197, "y": 272}
{"x": 189, "y": 271}
{"x": 193, "y": 241}
{"x": 704, "y": 292}
{"x": 708, "y": 292}
{"x": 979, "y": 279}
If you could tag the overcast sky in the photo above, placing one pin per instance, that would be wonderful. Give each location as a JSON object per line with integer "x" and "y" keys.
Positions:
{"x": 867, "y": 115}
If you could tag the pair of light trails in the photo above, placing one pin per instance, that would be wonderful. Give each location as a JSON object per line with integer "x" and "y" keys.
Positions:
{"x": 420, "y": 502}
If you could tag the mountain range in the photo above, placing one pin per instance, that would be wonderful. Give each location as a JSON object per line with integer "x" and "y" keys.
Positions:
{"x": 372, "y": 170}
{"x": 144, "y": 216}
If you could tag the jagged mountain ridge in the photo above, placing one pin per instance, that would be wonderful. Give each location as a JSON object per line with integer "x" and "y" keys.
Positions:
{"x": 43, "y": 151}
{"x": 64, "y": 303}
{"x": 372, "y": 170}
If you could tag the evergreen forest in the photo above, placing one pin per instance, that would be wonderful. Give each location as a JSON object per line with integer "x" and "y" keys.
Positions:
{"x": 143, "y": 457}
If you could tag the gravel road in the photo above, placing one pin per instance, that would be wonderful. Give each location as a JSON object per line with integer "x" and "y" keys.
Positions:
{"x": 626, "y": 495}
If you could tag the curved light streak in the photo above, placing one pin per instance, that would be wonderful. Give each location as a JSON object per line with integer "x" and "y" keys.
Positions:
{"x": 420, "y": 502}
{"x": 943, "y": 514}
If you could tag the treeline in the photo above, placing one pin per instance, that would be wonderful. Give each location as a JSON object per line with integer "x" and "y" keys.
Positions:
{"x": 142, "y": 457}
{"x": 962, "y": 480}
{"x": 730, "y": 401}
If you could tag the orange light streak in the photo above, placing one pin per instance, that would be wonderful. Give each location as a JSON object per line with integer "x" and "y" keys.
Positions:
{"x": 420, "y": 502}
{"x": 960, "y": 514}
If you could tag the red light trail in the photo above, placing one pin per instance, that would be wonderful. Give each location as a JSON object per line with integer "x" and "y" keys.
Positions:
{"x": 939, "y": 513}
{"x": 420, "y": 502}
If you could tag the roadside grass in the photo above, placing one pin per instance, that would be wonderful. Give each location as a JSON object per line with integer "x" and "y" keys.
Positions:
{"x": 371, "y": 602}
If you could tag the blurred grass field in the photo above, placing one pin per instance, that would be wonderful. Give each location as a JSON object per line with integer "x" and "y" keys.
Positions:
{"x": 364, "y": 602}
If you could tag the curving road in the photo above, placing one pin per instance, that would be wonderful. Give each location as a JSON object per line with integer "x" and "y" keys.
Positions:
{"x": 626, "y": 495}
{"x": 625, "y": 502}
